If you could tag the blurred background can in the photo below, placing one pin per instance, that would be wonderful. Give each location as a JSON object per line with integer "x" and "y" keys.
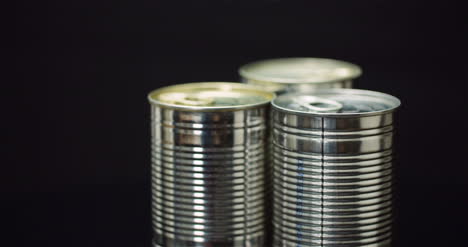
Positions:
{"x": 333, "y": 155}
{"x": 208, "y": 164}
{"x": 283, "y": 75}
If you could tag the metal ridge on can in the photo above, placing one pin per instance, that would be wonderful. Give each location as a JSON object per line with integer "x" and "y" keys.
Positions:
{"x": 203, "y": 96}
{"x": 298, "y": 73}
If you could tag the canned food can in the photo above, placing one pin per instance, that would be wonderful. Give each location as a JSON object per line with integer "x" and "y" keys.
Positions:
{"x": 332, "y": 158}
{"x": 283, "y": 75}
{"x": 208, "y": 164}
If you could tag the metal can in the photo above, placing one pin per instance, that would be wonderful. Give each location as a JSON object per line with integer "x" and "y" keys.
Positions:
{"x": 332, "y": 168}
{"x": 283, "y": 75}
{"x": 208, "y": 164}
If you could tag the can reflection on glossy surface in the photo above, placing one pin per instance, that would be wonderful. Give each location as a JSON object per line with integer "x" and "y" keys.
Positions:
{"x": 332, "y": 168}
{"x": 208, "y": 164}
{"x": 286, "y": 75}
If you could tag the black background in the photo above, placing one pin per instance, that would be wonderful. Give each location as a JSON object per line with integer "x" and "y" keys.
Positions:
{"x": 78, "y": 135}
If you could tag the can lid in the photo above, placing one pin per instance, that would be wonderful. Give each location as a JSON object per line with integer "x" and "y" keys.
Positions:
{"x": 337, "y": 101}
{"x": 300, "y": 70}
{"x": 210, "y": 95}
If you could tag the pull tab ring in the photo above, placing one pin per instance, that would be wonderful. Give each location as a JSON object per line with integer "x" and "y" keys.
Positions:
{"x": 195, "y": 100}
{"x": 318, "y": 104}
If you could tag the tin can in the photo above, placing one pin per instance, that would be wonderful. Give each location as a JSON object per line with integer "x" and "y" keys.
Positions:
{"x": 332, "y": 168}
{"x": 283, "y": 75}
{"x": 208, "y": 164}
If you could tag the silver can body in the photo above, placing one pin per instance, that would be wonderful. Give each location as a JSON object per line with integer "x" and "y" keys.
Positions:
{"x": 332, "y": 170}
{"x": 289, "y": 75}
{"x": 208, "y": 175}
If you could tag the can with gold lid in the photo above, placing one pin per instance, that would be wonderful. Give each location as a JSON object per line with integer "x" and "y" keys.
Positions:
{"x": 297, "y": 74}
{"x": 208, "y": 164}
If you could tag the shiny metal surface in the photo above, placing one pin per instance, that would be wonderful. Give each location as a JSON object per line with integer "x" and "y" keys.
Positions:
{"x": 332, "y": 168}
{"x": 284, "y": 75}
{"x": 209, "y": 183}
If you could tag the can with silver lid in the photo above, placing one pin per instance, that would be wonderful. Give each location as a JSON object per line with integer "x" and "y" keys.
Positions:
{"x": 284, "y": 75}
{"x": 208, "y": 164}
{"x": 332, "y": 168}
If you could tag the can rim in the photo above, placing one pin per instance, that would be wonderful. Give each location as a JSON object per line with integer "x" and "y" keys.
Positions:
{"x": 223, "y": 86}
{"x": 245, "y": 71}
{"x": 395, "y": 102}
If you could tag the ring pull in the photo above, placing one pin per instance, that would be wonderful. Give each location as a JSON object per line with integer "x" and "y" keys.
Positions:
{"x": 317, "y": 104}
{"x": 195, "y": 100}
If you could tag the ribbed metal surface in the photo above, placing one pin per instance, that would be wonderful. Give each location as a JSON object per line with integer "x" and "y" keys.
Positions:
{"x": 208, "y": 176}
{"x": 332, "y": 176}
